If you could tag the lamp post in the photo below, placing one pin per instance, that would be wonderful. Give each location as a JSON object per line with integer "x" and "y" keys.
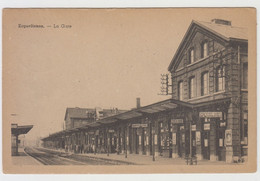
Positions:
{"x": 190, "y": 144}
{"x": 153, "y": 131}
{"x": 126, "y": 142}
{"x": 108, "y": 140}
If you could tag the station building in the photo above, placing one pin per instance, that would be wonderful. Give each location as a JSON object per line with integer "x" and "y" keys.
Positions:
{"x": 207, "y": 116}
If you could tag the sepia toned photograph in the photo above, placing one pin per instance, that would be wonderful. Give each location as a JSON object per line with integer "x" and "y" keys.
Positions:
{"x": 166, "y": 90}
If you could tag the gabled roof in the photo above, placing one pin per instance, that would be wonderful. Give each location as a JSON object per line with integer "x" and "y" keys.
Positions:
{"x": 83, "y": 113}
{"x": 225, "y": 32}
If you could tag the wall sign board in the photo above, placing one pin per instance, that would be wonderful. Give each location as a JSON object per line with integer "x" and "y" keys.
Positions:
{"x": 198, "y": 137}
{"x": 174, "y": 138}
{"x": 176, "y": 121}
{"x": 207, "y": 126}
{"x": 139, "y": 125}
{"x": 228, "y": 136}
{"x": 210, "y": 114}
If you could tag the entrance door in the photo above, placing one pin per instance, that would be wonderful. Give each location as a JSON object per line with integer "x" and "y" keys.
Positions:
{"x": 193, "y": 138}
{"x": 205, "y": 145}
{"x": 221, "y": 151}
{"x": 181, "y": 140}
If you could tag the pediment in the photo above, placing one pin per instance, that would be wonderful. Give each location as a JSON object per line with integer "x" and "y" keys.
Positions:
{"x": 193, "y": 39}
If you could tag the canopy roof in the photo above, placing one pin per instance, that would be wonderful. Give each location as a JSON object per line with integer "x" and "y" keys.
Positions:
{"x": 17, "y": 130}
{"x": 161, "y": 106}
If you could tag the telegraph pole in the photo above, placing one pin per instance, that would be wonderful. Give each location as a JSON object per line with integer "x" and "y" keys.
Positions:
{"x": 165, "y": 85}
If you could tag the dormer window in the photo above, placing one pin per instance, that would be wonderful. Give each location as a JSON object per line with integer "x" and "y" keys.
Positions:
{"x": 204, "y": 49}
{"x": 191, "y": 55}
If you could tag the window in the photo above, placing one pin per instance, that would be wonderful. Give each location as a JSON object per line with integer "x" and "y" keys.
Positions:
{"x": 204, "y": 84}
{"x": 245, "y": 76}
{"x": 204, "y": 49}
{"x": 191, "y": 88}
{"x": 220, "y": 78}
{"x": 244, "y": 133}
{"x": 180, "y": 90}
{"x": 191, "y": 55}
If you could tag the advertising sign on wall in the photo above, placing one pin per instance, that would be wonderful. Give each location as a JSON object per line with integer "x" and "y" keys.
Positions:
{"x": 174, "y": 138}
{"x": 155, "y": 139}
{"x": 210, "y": 114}
{"x": 228, "y": 136}
{"x": 177, "y": 121}
{"x": 207, "y": 126}
{"x": 193, "y": 127}
{"x": 198, "y": 137}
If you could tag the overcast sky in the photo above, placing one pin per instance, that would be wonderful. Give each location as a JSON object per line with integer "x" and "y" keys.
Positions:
{"x": 107, "y": 59}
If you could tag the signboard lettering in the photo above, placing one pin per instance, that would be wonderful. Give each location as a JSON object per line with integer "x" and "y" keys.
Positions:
{"x": 111, "y": 131}
{"x": 198, "y": 137}
{"x": 174, "y": 138}
{"x": 222, "y": 124}
{"x": 183, "y": 138}
{"x": 207, "y": 126}
{"x": 144, "y": 125}
{"x": 177, "y": 121}
{"x": 139, "y": 125}
{"x": 193, "y": 127}
{"x": 210, "y": 114}
{"x": 221, "y": 142}
{"x": 135, "y": 125}
{"x": 155, "y": 139}
{"x": 205, "y": 142}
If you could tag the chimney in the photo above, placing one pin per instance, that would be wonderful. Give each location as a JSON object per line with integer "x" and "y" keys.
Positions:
{"x": 138, "y": 102}
{"x": 221, "y": 22}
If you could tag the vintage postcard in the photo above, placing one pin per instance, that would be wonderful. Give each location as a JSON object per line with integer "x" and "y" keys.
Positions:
{"x": 166, "y": 90}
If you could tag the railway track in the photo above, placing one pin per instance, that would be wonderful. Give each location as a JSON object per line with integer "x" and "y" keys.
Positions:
{"x": 49, "y": 157}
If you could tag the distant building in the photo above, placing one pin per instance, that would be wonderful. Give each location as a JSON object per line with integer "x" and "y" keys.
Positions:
{"x": 76, "y": 117}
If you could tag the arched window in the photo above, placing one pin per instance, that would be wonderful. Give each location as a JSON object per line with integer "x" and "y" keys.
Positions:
{"x": 180, "y": 90}
{"x": 245, "y": 76}
{"x": 220, "y": 78}
{"x": 191, "y": 55}
{"x": 205, "y": 83}
{"x": 191, "y": 88}
{"x": 204, "y": 49}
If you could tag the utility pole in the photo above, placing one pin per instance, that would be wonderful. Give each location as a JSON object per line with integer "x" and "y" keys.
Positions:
{"x": 165, "y": 85}
{"x": 153, "y": 131}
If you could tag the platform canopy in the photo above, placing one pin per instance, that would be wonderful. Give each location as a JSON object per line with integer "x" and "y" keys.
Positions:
{"x": 17, "y": 130}
{"x": 163, "y": 106}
